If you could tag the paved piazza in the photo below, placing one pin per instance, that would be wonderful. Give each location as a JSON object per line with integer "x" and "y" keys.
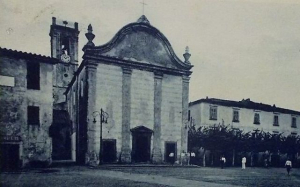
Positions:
{"x": 151, "y": 177}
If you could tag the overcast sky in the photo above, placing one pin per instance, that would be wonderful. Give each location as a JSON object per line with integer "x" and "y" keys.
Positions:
{"x": 240, "y": 48}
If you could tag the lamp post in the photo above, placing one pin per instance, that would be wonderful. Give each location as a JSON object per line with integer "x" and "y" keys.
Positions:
{"x": 103, "y": 116}
{"x": 254, "y": 146}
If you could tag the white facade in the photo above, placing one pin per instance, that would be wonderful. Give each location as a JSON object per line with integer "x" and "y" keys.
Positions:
{"x": 242, "y": 114}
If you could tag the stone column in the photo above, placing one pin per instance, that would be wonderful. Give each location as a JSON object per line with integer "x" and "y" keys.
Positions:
{"x": 126, "y": 111}
{"x": 157, "y": 155}
{"x": 92, "y": 153}
{"x": 185, "y": 105}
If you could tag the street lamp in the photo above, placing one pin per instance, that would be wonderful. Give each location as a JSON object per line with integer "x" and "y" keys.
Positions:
{"x": 254, "y": 146}
{"x": 103, "y": 116}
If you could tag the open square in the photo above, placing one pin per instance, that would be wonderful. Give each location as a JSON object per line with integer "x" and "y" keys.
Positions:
{"x": 152, "y": 176}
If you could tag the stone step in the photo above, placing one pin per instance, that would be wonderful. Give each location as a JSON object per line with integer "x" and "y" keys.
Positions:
{"x": 63, "y": 163}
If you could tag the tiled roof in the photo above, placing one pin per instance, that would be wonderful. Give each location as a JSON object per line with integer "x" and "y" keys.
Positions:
{"x": 245, "y": 103}
{"x": 33, "y": 56}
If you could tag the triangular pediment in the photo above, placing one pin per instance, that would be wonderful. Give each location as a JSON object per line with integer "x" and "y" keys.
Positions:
{"x": 141, "y": 129}
{"x": 141, "y": 43}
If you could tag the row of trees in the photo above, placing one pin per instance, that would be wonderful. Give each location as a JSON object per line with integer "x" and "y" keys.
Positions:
{"x": 224, "y": 140}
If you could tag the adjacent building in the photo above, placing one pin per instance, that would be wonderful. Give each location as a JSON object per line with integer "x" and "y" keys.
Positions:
{"x": 245, "y": 115}
{"x": 26, "y": 104}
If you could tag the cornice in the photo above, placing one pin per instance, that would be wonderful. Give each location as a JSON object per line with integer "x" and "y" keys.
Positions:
{"x": 136, "y": 65}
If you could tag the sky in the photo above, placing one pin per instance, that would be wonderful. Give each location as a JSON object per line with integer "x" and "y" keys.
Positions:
{"x": 240, "y": 48}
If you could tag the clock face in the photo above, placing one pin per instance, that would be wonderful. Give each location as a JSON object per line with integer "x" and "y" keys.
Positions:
{"x": 65, "y": 58}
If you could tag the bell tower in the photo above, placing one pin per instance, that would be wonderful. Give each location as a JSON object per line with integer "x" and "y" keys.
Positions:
{"x": 64, "y": 41}
{"x": 64, "y": 46}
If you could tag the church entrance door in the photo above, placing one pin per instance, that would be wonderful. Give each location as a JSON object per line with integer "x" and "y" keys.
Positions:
{"x": 9, "y": 157}
{"x": 170, "y": 147}
{"x": 141, "y": 144}
{"x": 109, "y": 150}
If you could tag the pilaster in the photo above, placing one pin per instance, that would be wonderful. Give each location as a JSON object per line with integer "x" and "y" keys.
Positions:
{"x": 185, "y": 104}
{"x": 157, "y": 155}
{"x": 126, "y": 112}
{"x": 92, "y": 153}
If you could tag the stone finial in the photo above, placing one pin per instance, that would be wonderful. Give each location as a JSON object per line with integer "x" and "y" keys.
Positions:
{"x": 187, "y": 55}
{"x": 90, "y": 29}
{"x": 187, "y": 49}
{"x": 143, "y": 19}
{"x": 90, "y": 36}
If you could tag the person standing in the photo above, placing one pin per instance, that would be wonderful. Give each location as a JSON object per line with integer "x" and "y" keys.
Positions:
{"x": 244, "y": 163}
{"x": 288, "y": 165}
{"x": 223, "y": 161}
{"x": 192, "y": 160}
{"x": 266, "y": 163}
{"x": 172, "y": 158}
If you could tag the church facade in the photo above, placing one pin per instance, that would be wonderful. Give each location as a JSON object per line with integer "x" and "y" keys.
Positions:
{"x": 131, "y": 94}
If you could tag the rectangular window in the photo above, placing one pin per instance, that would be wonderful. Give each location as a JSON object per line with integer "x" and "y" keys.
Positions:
{"x": 33, "y": 115}
{"x": 33, "y": 76}
{"x": 235, "y": 116}
{"x": 276, "y": 121}
{"x": 294, "y": 134}
{"x": 213, "y": 113}
{"x": 294, "y": 122}
{"x": 256, "y": 118}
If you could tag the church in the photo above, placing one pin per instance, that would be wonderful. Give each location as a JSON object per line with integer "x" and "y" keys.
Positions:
{"x": 130, "y": 94}
{"x": 126, "y": 102}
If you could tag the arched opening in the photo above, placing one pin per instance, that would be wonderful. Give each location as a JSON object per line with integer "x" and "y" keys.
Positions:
{"x": 60, "y": 131}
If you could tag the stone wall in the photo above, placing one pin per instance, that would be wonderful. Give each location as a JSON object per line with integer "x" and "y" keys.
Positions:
{"x": 75, "y": 96}
{"x": 63, "y": 74}
{"x": 171, "y": 115}
{"x": 109, "y": 98}
{"x": 142, "y": 99}
{"x": 35, "y": 144}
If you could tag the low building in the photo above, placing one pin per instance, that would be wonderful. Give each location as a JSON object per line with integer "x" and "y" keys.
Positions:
{"x": 26, "y": 104}
{"x": 35, "y": 127}
{"x": 245, "y": 115}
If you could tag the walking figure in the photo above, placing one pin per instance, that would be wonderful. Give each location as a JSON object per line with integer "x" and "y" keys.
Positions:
{"x": 288, "y": 165}
{"x": 223, "y": 161}
{"x": 266, "y": 163}
{"x": 172, "y": 158}
{"x": 244, "y": 163}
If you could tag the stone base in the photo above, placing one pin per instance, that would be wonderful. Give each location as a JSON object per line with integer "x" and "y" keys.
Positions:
{"x": 157, "y": 157}
{"x": 126, "y": 156}
{"x": 92, "y": 158}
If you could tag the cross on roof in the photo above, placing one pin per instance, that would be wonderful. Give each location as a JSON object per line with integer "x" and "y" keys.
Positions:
{"x": 143, "y": 3}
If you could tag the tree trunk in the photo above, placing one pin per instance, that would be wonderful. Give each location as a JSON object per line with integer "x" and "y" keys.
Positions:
{"x": 204, "y": 163}
{"x": 233, "y": 157}
{"x": 212, "y": 159}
